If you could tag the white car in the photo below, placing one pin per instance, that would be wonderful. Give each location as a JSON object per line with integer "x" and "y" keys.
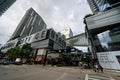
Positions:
{"x": 18, "y": 61}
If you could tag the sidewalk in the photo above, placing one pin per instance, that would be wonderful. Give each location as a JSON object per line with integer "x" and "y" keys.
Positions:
{"x": 107, "y": 73}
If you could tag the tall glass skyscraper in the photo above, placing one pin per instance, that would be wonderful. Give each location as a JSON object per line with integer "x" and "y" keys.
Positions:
{"x": 101, "y": 5}
{"x": 30, "y": 24}
{"x": 5, "y": 4}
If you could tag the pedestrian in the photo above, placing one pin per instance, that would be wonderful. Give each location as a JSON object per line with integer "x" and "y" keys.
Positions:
{"x": 101, "y": 68}
{"x": 52, "y": 62}
{"x": 80, "y": 64}
{"x": 96, "y": 68}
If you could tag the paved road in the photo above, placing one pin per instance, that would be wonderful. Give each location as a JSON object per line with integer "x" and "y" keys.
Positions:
{"x": 38, "y": 72}
{"x": 96, "y": 77}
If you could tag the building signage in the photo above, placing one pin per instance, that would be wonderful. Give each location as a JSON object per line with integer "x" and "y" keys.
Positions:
{"x": 28, "y": 39}
{"x": 39, "y": 35}
{"x": 9, "y": 45}
{"x": 34, "y": 37}
{"x": 109, "y": 60}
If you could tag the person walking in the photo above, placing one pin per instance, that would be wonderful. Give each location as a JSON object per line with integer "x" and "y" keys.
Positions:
{"x": 96, "y": 68}
{"x": 101, "y": 68}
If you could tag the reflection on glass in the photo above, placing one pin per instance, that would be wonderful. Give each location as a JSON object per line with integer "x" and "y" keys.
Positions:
{"x": 101, "y": 4}
{"x": 108, "y": 40}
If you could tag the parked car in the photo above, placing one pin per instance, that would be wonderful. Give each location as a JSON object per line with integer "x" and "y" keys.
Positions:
{"x": 5, "y": 61}
{"x": 11, "y": 62}
{"x": 18, "y": 61}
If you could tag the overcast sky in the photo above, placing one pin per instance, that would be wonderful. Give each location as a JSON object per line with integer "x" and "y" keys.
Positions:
{"x": 56, "y": 14}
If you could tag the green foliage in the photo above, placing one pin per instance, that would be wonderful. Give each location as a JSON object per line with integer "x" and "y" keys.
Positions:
{"x": 14, "y": 52}
{"x": 19, "y": 52}
{"x": 66, "y": 59}
{"x": 86, "y": 59}
{"x": 26, "y": 49}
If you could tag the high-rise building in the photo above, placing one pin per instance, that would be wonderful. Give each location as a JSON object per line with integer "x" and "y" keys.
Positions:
{"x": 67, "y": 32}
{"x": 101, "y": 5}
{"x": 32, "y": 29}
{"x": 103, "y": 32}
{"x": 30, "y": 24}
{"x": 5, "y": 4}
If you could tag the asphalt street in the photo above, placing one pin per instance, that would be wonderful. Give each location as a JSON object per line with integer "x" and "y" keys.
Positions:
{"x": 38, "y": 72}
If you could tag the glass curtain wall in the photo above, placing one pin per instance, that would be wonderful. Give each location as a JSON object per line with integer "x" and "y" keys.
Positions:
{"x": 101, "y": 4}
{"x": 108, "y": 40}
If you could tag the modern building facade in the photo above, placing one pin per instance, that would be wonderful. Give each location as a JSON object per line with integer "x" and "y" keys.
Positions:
{"x": 103, "y": 32}
{"x": 101, "y": 5}
{"x": 30, "y": 24}
{"x": 67, "y": 32}
{"x": 32, "y": 29}
{"x": 5, "y": 4}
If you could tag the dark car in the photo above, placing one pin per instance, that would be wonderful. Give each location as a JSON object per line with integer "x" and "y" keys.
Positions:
{"x": 5, "y": 61}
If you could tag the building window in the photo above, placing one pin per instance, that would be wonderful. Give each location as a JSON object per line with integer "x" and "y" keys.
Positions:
{"x": 101, "y": 4}
{"x": 56, "y": 37}
{"x": 60, "y": 40}
{"x": 108, "y": 40}
{"x": 52, "y": 34}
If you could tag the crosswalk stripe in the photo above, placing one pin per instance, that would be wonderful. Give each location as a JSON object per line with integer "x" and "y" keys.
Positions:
{"x": 94, "y": 77}
{"x": 86, "y": 77}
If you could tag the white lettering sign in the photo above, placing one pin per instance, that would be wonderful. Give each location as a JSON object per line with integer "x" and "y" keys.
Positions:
{"x": 34, "y": 37}
{"x": 109, "y": 59}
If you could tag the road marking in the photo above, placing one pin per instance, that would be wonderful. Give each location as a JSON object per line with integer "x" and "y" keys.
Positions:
{"x": 86, "y": 77}
{"x": 95, "y": 77}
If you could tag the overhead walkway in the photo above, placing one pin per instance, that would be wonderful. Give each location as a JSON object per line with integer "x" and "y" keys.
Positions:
{"x": 78, "y": 40}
